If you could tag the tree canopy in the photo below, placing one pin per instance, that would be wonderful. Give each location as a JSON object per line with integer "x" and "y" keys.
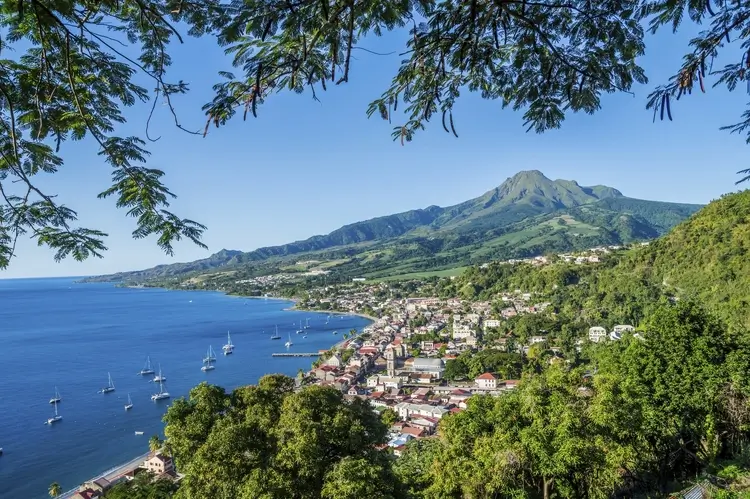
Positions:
{"x": 269, "y": 441}
{"x": 69, "y": 68}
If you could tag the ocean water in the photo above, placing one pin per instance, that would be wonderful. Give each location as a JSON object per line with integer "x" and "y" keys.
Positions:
{"x": 54, "y": 332}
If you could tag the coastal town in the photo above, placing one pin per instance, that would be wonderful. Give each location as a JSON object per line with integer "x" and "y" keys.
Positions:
{"x": 401, "y": 362}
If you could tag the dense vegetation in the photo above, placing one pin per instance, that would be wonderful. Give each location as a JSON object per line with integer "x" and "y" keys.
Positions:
{"x": 527, "y": 215}
{"x": 627, "y": 418}
{"x": 268, "y": 441}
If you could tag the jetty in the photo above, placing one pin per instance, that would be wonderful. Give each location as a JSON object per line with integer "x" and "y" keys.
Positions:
{"x": 295, "y": 354}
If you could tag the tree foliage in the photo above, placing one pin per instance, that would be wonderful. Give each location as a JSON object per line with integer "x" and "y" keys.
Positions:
{"x": 69, "y": 68}
{"x": 143, "y": 486}
{"x": 269, "y": 441}
{"x": 639, "y": 414}
{"x": 67, "y": 74}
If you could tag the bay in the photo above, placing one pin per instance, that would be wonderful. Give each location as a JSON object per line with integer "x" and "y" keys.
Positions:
{"x": 54, "y": 332}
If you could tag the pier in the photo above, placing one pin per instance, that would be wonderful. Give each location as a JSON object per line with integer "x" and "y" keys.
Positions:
{"x": 295, "y": 354}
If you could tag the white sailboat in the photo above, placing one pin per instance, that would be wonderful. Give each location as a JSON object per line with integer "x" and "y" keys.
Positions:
{"x": 110, "y": 386}
{"x": 307, "y": 323}
{"x": 147, "y": 369}
{"x": 300, "y": 330}
{"x": 161, "y": 395}
{"x": 289, "y": 343}
{"x": 276, "y": 334}
{"x": 55, "y": 418}
{"x": 207, "y": 361}
{"x": 211, "y": 357}
{"x": 229, "y": 347}
{"x": 159, "y": 377}
{"x": 129, "y": 405}
{"x": 56, "y": 399}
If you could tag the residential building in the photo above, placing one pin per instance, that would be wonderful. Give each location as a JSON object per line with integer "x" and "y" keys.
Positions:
{"x": 597, "y": 333}
{"x": 435, "y": 367}
{"x": 487, "y": 381}
{"x": 159, "y": 464}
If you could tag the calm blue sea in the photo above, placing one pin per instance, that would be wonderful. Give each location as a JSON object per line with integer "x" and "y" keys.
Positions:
{"x": 54, "y": 332}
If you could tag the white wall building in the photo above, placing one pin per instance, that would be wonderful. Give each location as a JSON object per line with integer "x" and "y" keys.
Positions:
{"x": 597, "y": 334}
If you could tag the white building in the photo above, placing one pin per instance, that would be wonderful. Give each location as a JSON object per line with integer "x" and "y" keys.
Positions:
{"x": 492, "y": 323}
{"x": 405, "y": 410}
{"x": 623, "y": 328}
{"x": 435, "y": 367}
{"x": 487, "y": 381}
{"x": 597, "y": 333}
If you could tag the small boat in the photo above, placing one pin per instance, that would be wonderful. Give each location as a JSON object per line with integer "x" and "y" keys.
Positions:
{"x": 307, "y": 323}
{"x": 56, "y": 399}
{"x": 207, "y": 362}
{"x": 147, "y": 368}
{"x": 129, "y": 405}
{"x": 110, "y": 386}
{"x": 289, "y": 343}
{"x": 139, "y": 433}
{"x": 160, "y": 377}
{"x": 229, "y": 347}
{"x": 300, "y": 330}
{"x": 55, "y": 418}
{"x": 211, "y": 357}
{"x": 161, "y": 395}
{"x": 1, "y": 451}
{"x": 276, "y": 334}
{"x": 335, "y": 332}
{"x": 304, "y": 336}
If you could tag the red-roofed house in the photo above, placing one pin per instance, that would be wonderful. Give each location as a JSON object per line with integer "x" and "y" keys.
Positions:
{"x": 87, "y": 494}
{"x": 486, "y": 380}
{"x": 414, "y": 432}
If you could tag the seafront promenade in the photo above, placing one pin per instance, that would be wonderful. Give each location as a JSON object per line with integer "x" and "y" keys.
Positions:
{"x": 113, "y": 473}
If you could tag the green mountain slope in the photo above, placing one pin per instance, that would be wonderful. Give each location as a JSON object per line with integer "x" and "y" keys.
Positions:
{"x": 527, "y": 214}
{"x": 706, "y": 258}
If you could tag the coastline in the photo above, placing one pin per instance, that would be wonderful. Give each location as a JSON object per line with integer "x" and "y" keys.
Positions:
{"x": 287, "y": 307}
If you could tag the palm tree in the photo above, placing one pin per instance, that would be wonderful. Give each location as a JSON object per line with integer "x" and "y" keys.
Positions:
{"x": 55, "y": 489}
{"x": 155, "y": 443}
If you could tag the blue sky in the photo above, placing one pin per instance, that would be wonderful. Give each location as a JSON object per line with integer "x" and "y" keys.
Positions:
{"x": 305, "y": 168}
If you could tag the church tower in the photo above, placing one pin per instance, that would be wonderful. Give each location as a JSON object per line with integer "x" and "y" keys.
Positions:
{"x": 390, "y": 357}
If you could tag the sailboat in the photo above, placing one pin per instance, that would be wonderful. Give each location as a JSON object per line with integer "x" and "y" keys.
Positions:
{"x": 110, "y": 386}
{"x": 300, "y": 330}
{"x": 211, "y": 357}
{"x": 289, "y": 343}
{"x": 56, "y": 399}
{"x": 328, "y": 319}
{"x": 161, "y": 395}
{"x": 160, "y": 377}
{"x": 55, "y": 418}
{"x": 275, "y": 335}
{"x": 147, "y": 368}
{"x": 207, "y": 361}
{"x": 228, "y": 348}
{"x": 307, "y": 323}
{"x": 129, "y": 405}
{"x": 335, "y": 332}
